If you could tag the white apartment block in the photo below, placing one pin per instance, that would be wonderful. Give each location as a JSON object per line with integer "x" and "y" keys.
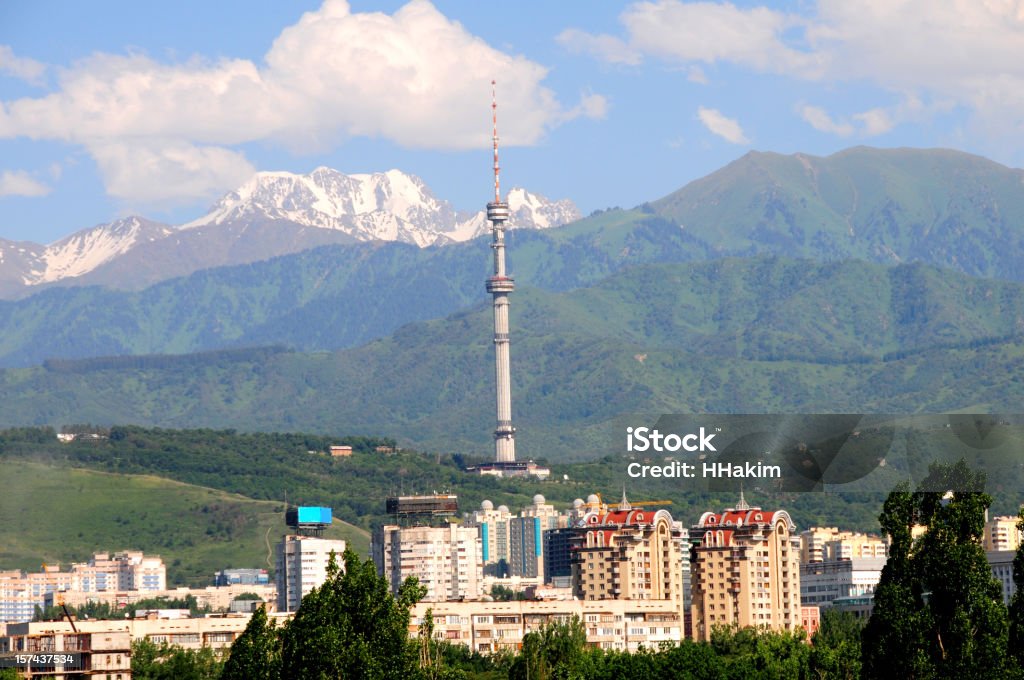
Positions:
{"x": 488, "y": 627}
{"x": 302, "y": 566}
{"x": 447, "y": 560}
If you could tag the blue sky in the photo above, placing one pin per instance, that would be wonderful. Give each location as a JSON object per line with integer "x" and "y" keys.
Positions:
{"x": 112, "y": 108}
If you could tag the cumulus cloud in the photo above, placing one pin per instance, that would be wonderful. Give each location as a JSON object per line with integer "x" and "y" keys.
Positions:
{"x": 822, "y": 122}
{"x": 604, "y": 47}
{"x": 21, "y": 183}
{"x": 414, "y": 77}
{"x": 22, "y": 68}
{"x": 726, "y": 128}
{"x": 966, "y": 53}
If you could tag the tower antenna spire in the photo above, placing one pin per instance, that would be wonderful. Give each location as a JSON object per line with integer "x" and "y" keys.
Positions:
{"x": 494, "y": 120}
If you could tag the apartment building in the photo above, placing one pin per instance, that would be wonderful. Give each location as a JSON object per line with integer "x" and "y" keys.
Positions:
{"x": 301, "y": 566}
{"x": 489, "y": 627}
{"x": 447, "y": 560}
{"x": 128, "y": 571}
{"x": 493, "y": 527}
{"x": 745, "y": 570}
{"x": 824, "y": 544}
{"x": 1001, "y": 534}
{"x": 628, "y": 554}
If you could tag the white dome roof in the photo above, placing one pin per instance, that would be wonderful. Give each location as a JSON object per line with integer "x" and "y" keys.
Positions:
{"x": 577, "y": 503}
{"x": 502, "y": 508}
{"x": 592, "y": 498}
{"x": 538, "y": 500}
{"x": 487, "y": 505}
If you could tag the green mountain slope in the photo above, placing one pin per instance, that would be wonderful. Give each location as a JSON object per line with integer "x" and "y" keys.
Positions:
{"x": 942, "y": 207}
{"x": 762, "y": 335}
{"x": 75, "y": 512}
{"x": 327, "y": 298}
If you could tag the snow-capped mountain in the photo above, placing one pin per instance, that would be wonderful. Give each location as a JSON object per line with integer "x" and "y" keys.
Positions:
{"x": 274, "y": 213}
{"x": 86, "y": 250}
{"x": 385, "y": 206}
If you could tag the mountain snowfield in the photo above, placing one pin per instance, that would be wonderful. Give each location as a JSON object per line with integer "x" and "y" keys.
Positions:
{"x": 384, "y": 206}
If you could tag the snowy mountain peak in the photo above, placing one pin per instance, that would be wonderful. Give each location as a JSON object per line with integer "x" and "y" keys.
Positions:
{"x": 271, "y": 214}
{"x": 382, "y": 206}
{"x": 85, "y": 250}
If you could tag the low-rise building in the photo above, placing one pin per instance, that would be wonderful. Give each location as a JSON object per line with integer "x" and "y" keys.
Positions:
{"x": 489, "y": 627}
{"x": 823, "y": 582}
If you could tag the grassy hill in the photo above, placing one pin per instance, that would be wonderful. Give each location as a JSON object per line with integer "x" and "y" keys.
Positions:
{"x": 761, "y": 335}
{"x": 51, "y": 513}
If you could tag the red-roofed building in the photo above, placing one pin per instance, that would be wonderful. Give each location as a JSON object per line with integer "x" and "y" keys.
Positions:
{"x": 629, "y": 553}
{"x": 745, "y": 570}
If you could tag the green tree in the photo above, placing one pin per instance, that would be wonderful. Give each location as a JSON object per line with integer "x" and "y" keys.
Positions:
{"x": 352, "y": 627}
{"x": 168, "y": 662}
{"x": 556, "y": 652}
{"x": 938, "y": 610}
{"x": 893, "y": 640}
{"x": 836, "y": 646}
{"x": 969, "y": 631}
{"x": 256, "y": 654}
{"x": 1016, "y": 634}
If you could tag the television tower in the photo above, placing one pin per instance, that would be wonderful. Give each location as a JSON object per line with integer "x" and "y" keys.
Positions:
{"x": 500, "y": 285}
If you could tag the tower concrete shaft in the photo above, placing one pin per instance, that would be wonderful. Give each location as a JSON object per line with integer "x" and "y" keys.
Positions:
{"x": 500, "y": 285}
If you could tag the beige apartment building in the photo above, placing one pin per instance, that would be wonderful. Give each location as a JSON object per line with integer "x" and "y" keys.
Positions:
{"x": 103, "y": 648}
{"x": 446, "y": 560}
{"x": 745, "y": 570}
{"x": 829, "y": 544}
{"x": 629, "y": 554}
{"x": 1001, "y": 534}
{"x": 21, "y": 592}
{"x": 488, "y": 627}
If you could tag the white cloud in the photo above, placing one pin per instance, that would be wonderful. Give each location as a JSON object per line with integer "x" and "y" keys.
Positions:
{"x": 21, "y": 183}
{"x": 695, "y": 74}
{"x": 821, "y": 121}
{"x": 604, "y": 47}
{"x": 710, "y": 32}
{"x": 23, "y": 68}
{"x": 162, "y": 172}
{"x": 965, "y": 53}
{"x": 876, "y": 121}
{"x": 414, "y": 77}
{"x": 726, "y": 128}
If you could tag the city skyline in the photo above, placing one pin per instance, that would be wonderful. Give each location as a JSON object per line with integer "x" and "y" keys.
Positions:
{"x": 126, "y": 109}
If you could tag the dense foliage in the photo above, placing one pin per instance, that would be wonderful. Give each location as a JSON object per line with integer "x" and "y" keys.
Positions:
{"x": 938, "y": 609}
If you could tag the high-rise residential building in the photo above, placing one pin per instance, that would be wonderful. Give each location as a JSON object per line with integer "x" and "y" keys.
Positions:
{"x": 745, "y": 570}
{"x": 446, "y": 560}
{"x": 493, "y": 527}
{"x": 824, "y": 544}
{"x": 301, "y": 566}
{"x": 1001, "y": 534}
{"x": 628, "y": 553}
